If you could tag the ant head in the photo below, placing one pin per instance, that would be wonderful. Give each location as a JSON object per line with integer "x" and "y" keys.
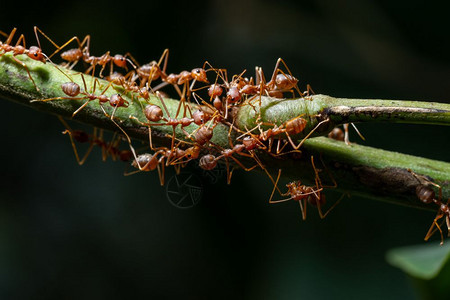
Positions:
{"x": 249, "y": 142}
{"x": 199, "y": 75}
{"x": 36, "y": 54}
{"x": 199, "y": 117}
{"x": 233, "y": 94}
{"x": 116, "y": 100}
{"x": 120, "y": 61}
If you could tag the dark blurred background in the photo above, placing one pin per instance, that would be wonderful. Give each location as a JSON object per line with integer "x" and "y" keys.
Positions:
{"x": 89, "y": 232}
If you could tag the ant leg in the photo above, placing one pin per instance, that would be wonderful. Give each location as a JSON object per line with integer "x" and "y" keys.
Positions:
{"x": 158, "y": 94}
{"x": 323, "y": 216}
{"x": 280, "y": 60}
{"x": 133, "y": 61}
{"x": 275, "y": 71}
{"x": 317, "y": 177}
{"x": 329, "y": 174}
{"x": 108, "y": 57}
{"x": 58, "y": 48}
{"x": 126, "y": 136}
{"x": 229, "y": 173}
{"x": 346, "y": 135}
{"x": 21, "y": 39}
{"x": 74, "y": 147}
{"x": 106, "y": 147}
{"x": 306, "y": 137}
{"x": 303, "y": 208}
{"x": 309, "y": 91}
{"x": 447, "y": 220}
{"x": 10, "y": 37}
{"x": 28, "y": 71}
{"x": 165, "y": 57}
{"x": 279, "y": 150}
{"x": 168, "y": 114}
{"x": 276, "y": 187}
{"x": 4, "y": 34}
{"x": 357, "y": 131}
{"x": 242, "y": 166}
{"x": 81, "y": 107}
{"x": 58, "y": 98}
{"x": 161, "y": 170}
{"x": 182, "y": 100}
{"x": 431, "y": 231}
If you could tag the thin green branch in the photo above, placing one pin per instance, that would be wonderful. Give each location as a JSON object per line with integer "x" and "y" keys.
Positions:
{"x": 371, "y": 172}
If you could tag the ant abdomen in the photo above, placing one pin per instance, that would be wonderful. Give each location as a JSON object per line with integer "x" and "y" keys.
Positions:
{"x": 145, "y": 162}
{"x": 215, "y": 90}
{"x": 203, "y": 135}
{"x": 72, "y": 55}
{"x": 337, "y": 134}
{"x": 70, "y": 89}
{"x": 285, "y": 81}
{"x": 153, "y": 113}
{"x": 207, "y": 162}
{"x": 296, "y": 126}
{"x": 80, "y": 136}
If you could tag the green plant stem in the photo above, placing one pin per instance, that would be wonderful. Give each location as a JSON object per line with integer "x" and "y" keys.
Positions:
{"x": 366, "y": 171}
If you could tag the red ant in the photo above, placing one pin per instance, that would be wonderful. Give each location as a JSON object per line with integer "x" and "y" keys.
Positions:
{"x": 339, "y": 135}
{"x": 149, "y": 162}
{"x": 108, "y": 149}
{"x": 427, "y": 195}
{"x": 74, "y": 55}
{"x": 293, "y": 126}
{"x": 72, "y": 90}
{"x": 280, "y": 82}
{"x": 306, "y": 194}
{"x": 33, "y": 52}
{"x": 202, "y": 136}
{"x": 208, "y": 162}
{"x": 154, "y": 114}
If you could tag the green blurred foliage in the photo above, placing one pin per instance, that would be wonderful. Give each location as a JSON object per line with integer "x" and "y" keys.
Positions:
{"x": 421, "y": 261}
{"x": 428, "y": 267}
{"x": 89, "y": 232}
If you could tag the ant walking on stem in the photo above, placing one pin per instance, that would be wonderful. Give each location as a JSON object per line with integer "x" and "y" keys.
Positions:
{"x": 73, "y": 90}
{"x": 74, "y": 55}
{"x": 33, "y": 52}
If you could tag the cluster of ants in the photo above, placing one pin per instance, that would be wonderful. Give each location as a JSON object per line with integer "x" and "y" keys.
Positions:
{"x": 223, "y": 97}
